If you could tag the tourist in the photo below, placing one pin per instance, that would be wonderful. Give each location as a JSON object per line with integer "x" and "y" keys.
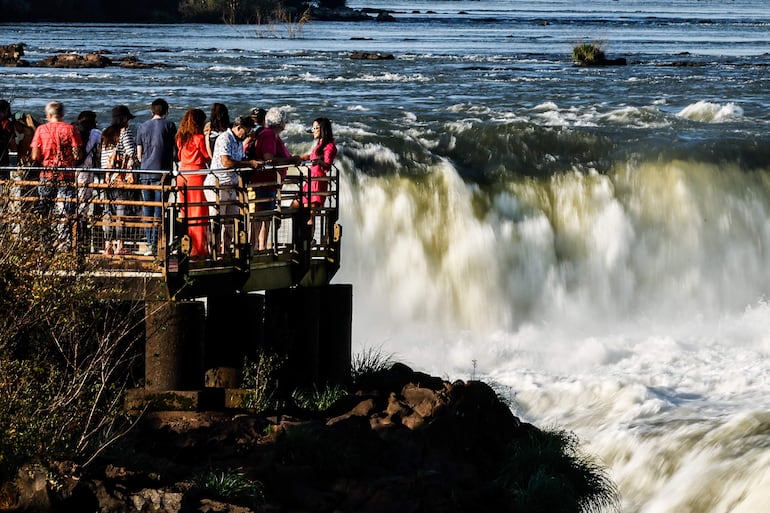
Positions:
{"x": 269, "y": 148}
{"x": 92, "y": 139}
{"x": 25, "y": 125}
{"x": 57, "y": 144}
{"x": 155, "y": 149}
{"x": 321, "y": 160}
{"x": 7, "y": 136}
{"x": 193, "y": 155}
{"x": 258, "y": 115}
{"x": 118, "y": 153}
{"x": 219, "y": 122}
{"x": 228, "y": 156}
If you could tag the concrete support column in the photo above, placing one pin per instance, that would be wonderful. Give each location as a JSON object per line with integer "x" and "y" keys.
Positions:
{"x": 234, "y": 331}
{"x": 174, "y": 332}
{"x": 311, "y": 326}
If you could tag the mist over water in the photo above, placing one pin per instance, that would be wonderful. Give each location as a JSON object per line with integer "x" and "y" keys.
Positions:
{"x": 593, "y": 241}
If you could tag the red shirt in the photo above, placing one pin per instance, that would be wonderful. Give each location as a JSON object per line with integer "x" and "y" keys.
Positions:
{"x": 57, "y": 142}
{"x": 194, "y": 155}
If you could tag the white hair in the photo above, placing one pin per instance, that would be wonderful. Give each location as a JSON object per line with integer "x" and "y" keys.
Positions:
{"x": 275, "y": 117}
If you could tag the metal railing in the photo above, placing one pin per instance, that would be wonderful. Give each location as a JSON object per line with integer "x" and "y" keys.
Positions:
{"x": 202, "y": 224}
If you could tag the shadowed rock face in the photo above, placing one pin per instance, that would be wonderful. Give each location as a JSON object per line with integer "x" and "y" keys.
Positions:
{"x": 402, "y": 441}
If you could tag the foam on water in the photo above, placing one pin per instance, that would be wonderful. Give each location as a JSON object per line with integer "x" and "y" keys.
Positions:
{"x": 712, "y": 112}
{"x": 625, "y": 307}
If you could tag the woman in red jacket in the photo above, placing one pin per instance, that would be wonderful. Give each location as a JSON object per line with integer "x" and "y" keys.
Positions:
{"x": 193, "y": 155}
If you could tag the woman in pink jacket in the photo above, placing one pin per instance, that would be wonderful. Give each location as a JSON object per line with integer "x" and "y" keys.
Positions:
{"x": 322, "y": 158}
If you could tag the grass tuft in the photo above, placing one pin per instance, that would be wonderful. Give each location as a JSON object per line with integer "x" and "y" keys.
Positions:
{"x": 315, "y": 399}
{"x": 230, "y": 485}
{"x": 369, "y": 361}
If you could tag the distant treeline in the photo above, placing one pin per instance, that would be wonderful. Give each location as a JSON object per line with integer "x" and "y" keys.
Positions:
{"x": 157, "y": 11}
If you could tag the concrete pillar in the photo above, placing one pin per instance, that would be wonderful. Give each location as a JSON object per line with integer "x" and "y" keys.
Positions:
{"x": 174, "y": 332}
{"x": 234, "y": 331}
{"x": 311, "y": 326}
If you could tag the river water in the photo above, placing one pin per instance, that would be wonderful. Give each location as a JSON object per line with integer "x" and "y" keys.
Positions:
{"x": 594, "y": 241}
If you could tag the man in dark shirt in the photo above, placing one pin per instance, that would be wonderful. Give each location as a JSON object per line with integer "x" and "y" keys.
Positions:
{"x": 7, "y": 136}
{"x": 156, "y": 149}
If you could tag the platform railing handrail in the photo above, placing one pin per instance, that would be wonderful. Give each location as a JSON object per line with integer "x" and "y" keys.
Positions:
{"x": 289, "y": 211}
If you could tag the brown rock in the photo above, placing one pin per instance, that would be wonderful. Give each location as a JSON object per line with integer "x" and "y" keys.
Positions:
{"x": 423, "y": 401}
{"x": 76, "y": 60}
{"x": 372, "y": 56}
{"x": 10, "y": 55}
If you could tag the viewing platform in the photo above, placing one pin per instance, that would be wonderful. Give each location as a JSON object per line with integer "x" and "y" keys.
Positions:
{"x": 212, "y": 298}
{"x": 303, "y": 244}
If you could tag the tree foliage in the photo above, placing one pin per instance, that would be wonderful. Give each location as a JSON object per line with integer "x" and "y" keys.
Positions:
{"x": 155, "y": 11}
{"x": 68, "y": 350}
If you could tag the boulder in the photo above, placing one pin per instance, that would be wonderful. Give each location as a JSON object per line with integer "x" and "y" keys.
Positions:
{"x": 338, "y": 14}
{"x": 384, "y": 16}
{"x": 76, "y": 60}
{"x": 10, "y": 55}
{"x": 372, "y": 56}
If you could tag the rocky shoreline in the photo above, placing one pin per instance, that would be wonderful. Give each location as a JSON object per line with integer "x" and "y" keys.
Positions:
{"x": 404, "y": 441}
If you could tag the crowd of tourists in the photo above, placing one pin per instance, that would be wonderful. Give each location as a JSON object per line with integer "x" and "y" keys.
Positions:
{"x": 208, "y": 156}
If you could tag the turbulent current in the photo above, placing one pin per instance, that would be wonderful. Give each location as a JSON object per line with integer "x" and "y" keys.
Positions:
{"x": 594, "y": 241}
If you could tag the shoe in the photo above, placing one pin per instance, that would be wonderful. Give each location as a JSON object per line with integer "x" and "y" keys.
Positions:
{"x": 149, "y": 252}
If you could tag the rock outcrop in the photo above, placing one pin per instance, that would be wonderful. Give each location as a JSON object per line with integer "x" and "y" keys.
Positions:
{"x": 372, "y": 56}
{"x": 75, "y": 60}
{"x": 404, "y": 441}
{"x": 10, "y": 55}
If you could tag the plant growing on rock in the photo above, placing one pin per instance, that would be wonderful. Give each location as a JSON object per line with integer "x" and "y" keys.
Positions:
{"x": 588, "y": 54}
{"x": 260, "y": 377}
{"x": 230, "y": 485}
{"x": 369, "y": 361}
{"x": 546, "y": 472}
{"x": 318, "y": 399}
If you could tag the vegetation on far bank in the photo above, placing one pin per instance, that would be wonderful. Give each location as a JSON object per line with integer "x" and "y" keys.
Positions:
{"x": 158, "y": 11}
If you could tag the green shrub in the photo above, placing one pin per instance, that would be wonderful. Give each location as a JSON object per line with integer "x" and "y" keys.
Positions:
{"x": 546, "y": 473}
{"x": 329, "y": 451}
{"x": 588, "y": 54}
{"x": 67, "y": 353}
{"x": 261, "y": 378}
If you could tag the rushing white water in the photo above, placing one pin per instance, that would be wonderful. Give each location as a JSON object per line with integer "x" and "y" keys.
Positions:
{"x": 626, "y": 307}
